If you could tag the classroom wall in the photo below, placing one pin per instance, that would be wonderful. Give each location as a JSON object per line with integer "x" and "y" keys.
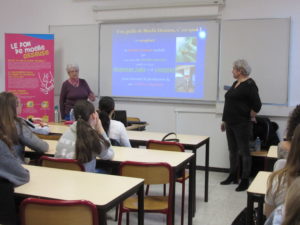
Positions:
{"x": 34, "y": 16}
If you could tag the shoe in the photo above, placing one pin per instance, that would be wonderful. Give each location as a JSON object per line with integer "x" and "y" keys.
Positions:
{"x": 243, "y": 185}
{"x": 231, "y": 179}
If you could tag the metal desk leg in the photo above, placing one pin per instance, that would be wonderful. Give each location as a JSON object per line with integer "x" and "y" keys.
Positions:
{"x": 206, "y": 170}
{"x": 251, "y": 198}
{"x": 141, "y": 205}
{"x": 250, "y": 208}
{"x": 173, "y": 197}
{"x": 102, "y": 217}
{"x": 192, "y": 190}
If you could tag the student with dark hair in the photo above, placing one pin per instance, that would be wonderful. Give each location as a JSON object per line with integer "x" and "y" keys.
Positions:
{"x": 85, "y": 139}
{"x": 113, "y": 128}
{"x": 16, "y": 129}
{"x": 280, "y": 180}
{"x": 293, "y": 121}
{"x": 285, "y": 145}
{"x": 12, "y": 174}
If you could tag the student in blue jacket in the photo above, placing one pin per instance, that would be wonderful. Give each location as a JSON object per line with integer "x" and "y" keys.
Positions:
{"x": 16, "y": 129}
{"x": 12, "y": 174}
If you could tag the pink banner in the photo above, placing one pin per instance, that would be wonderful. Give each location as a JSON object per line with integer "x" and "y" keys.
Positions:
{"x": 29, "y": 70}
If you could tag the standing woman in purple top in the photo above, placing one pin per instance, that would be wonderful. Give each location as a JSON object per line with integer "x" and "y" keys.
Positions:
{"x": 72, "y": 90}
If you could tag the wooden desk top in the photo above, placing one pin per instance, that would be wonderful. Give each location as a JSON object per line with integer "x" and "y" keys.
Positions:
{"x": 73, "y": 185}
{"x": 57, "y": 128}
{"x": 147, "y": 155}
{"x": 259, "y": 153}
{"x": 272, "y": 153}
{"x": 259, "y": 184}
{"x": 136, "y": 154}
{"x": 183, "y": 138}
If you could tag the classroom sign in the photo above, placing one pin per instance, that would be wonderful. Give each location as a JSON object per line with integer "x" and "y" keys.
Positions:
{"x": 29, "y": 73}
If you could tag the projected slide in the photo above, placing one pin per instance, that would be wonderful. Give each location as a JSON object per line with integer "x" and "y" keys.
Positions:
{"x": 158, "y": 60}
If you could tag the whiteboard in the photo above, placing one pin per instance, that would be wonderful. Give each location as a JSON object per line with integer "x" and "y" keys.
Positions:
{"x": 76, "y": 44}
{"x": 120, "y": 49}
{"x": 264, "y": 43}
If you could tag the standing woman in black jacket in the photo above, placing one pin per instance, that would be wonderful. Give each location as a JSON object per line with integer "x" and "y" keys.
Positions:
{"x": 242, "y": 103}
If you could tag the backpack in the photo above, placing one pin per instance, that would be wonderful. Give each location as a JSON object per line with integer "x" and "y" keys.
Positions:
{"x": 266, "y": 130}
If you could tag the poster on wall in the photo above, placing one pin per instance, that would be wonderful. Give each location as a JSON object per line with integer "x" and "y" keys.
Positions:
{"x": 29, "y": 73}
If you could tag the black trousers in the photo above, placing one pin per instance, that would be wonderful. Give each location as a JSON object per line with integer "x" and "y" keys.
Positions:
{"x": 238, "y": 138}
{"x": 7, "y": 203}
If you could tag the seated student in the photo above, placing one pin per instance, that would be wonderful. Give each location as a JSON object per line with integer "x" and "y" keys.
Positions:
{"x": 293, "y": 121}
{"x": 16, "y": 128}
{"x": 285, "y": 146}
{"x": 113, "y": 128}
{"x": 280, "y": 180}
{"x": 292, "y": 204}
{"x": 12, "y": 174}
{"x": 287, "y": 213}
{"x": 85, "y": 139}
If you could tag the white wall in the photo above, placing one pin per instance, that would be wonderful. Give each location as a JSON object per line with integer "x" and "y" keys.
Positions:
{"x": 34, "y": 16}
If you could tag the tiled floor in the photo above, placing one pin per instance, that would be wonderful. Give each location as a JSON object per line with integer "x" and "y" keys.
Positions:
{"x": 223, "y": 206}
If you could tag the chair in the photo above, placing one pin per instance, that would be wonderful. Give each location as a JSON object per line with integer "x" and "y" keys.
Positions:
{"x": 69, "y": 164}
{"x": 176, "y": 147}
{"x": 152, "y": 173}
{"x": 35, "y": 211}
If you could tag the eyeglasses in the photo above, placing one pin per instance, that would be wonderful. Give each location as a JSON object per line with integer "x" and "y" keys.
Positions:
{"x": 73, "y": 71}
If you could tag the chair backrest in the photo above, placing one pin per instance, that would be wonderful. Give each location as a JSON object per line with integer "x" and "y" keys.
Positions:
{"x": 58, "y": 212}
{"x": 68, "y": 164}
{"x": 133, "y": 119}
{"x": 152, "y": 173}
{"x": 165, "y": 145}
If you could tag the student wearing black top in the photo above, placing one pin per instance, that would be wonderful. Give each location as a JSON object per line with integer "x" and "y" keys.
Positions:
{"x": 242, "y": 102}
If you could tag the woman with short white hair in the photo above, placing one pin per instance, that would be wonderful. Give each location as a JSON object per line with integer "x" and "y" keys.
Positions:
{"x": 242, "y": 102}
{"x": 72, "y": 90}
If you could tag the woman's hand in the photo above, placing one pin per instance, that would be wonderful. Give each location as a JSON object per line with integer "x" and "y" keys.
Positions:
{"x": 223, "y": 126}
{"x": 253, "y": 116}
{"x": 92, "y": 97}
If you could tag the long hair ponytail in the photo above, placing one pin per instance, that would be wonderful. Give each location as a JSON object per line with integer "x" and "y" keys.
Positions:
{"x": 88, "y": 141}
{"x": 106, "y": 106}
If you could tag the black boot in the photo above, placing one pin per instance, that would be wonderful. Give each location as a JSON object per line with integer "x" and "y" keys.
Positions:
{"x": 231, "y": 179}
{"x": 243, "y": 185}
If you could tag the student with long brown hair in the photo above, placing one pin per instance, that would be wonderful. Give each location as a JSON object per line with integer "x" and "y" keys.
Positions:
{"x": 288, "y": 213}
{"x": 292, "y": 204}
{"x": 86, "y": 138}
{"x": 16, "y": 128}
{"x": 12, "y": 174}
{"x": 280, "y": 180}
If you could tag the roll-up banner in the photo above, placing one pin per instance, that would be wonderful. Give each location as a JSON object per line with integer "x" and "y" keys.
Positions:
{"x": 29, "y": 73}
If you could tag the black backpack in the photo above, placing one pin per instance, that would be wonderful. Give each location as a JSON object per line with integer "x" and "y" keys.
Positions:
{"x": 266, "y": 130}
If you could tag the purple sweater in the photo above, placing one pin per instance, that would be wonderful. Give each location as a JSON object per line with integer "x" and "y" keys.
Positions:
{"x": 70, "y": 94}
